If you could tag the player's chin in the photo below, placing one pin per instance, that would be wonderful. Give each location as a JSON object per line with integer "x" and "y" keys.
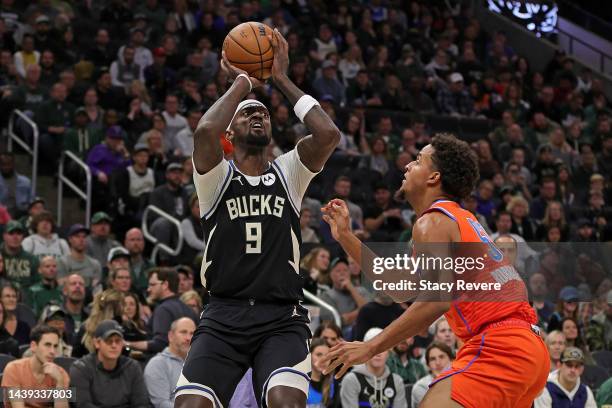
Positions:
{"x": 258, "y": 138}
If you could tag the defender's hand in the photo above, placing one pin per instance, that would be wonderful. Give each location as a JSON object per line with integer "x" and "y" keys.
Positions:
{"x": 280, "y": 65}
{"x": 233, "y": 72}
{"x": 336, "y": 214}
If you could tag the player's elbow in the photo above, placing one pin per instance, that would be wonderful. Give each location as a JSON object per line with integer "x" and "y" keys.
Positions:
{"x": 329, "y": 138}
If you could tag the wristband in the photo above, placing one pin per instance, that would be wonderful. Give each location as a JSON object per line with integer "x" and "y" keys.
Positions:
{"x": 304, "y": 105}
{"x": 248, "y": 79}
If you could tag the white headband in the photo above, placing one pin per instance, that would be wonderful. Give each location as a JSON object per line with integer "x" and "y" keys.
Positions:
{"x": 244, "y": 104}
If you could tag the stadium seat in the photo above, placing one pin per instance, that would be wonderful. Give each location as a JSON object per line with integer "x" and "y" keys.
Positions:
{"x": 442, "y": 123}
{"x": 603, "y": 358}
{"x": 474, "y": 129}
{"x": 25, "y": 313}
{"x": 23, "y": 348}
{"x": 594, "y": 376}
{"x": 64, "y": 362}
{"x": 4, "y": 360}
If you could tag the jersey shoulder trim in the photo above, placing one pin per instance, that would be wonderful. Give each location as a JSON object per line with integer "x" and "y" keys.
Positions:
{"x": 281, "y": 176}
{"x": 226, "y": 184}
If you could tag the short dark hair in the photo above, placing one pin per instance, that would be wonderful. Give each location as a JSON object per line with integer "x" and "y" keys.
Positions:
{"x": 457, "y": 164}
{"x": 167, "y": 274}
{"x": 40, "y": 330}
{"x": 503, "y": 212}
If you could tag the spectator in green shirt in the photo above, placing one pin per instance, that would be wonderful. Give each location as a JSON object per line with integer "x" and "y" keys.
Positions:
{"x": 81, "y": 138}
{"x": 20, "y": 266}
{"x": 604, "y": 394}
{"x": 47, "y": 290}
{"x": 401, "y": 363}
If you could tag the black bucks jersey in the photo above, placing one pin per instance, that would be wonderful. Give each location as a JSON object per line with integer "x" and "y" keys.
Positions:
{"x": 252, "y": 229}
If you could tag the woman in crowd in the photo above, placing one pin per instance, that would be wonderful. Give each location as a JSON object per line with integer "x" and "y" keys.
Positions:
{"x": 323, "y": 389}
{"x": 315, "y": 265}
{"x": 8, "y": 344}
{"x": 438, "y": 357}
{"x": 192, "y": 299}
{"x": 120, "y": 279}
{"x": 330, "y": 332}
{"x": 107, "y": 305}
{"x": 554, "y": 216}
{"x": 567, "y": 307}
{"x": 521, "y": 222}
{"x": 16, "y": 328}
{"x": 133, "y": 326}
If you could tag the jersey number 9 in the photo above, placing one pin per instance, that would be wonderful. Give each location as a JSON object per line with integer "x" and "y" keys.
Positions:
{"x": 253, "y": 237}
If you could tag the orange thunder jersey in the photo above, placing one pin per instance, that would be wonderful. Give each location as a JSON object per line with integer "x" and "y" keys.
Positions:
{"x": 471, "y": 312}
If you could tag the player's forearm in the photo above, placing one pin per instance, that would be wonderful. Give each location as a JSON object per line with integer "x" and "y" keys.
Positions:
{"x": 419, "y": 316}
{"x": 323, "y": 129}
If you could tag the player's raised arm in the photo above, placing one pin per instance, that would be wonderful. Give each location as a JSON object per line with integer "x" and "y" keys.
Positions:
{"x": 207, "y": 150}
{"x": 315, "y": 149}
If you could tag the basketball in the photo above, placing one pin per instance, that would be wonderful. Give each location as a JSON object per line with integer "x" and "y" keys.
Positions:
{"x": 248, "y": 47}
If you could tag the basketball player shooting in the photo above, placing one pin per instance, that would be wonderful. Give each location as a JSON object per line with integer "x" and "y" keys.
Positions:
{"x": 504, "y": 362}
{"x": 250, "y": 215}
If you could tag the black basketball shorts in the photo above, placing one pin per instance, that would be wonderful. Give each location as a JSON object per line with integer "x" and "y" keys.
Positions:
{"x": 234, "y": 335}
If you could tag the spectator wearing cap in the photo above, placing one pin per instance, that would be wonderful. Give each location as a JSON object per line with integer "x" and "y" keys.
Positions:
{"x": 344, "y": 296}
{"x": 47, "y": 289}
{"x": 131, "y": 187}
{"x": 125, "y": 70}
{"x": 27, "y": 56}
{"x": 38, "y": 371}
{"x": 107, "y": 378}
{"x": 54, "y": 118}
{"x": 454, "y": 99}
{"x": 99, "y": 242}
{"x": 567, "y": 306}
{"x": 564, "y": 388}
{"x": 20, "y": 266}
{"x": 163, "y": 290}
{"x": 328, "y": 83}
{"x": 383, "y": 220}
{"x": 80, "y": 138}
{"x": 77, "y": 261}
{"x": 139, "y": 265}
{"x": 373, "y": 383}
{"x": 159, "y": 78}
{"x": 106, "y": 157}
{"x": 54, "y": 316}
{"x": 599, "y": 332}
{"x": 15, "y": 188}
{"x": 118, "y": 257}
{"x": 163, "y": 370}
{"x": 44, "y": 241}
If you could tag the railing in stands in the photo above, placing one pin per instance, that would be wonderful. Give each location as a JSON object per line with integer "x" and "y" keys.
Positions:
{"x": 24, "y": 120}
{"x": 574, "y": 12}
{"x": 603, "y": 57}
{"x": 63, "y": 179}
{"x": 312, "y": 298}
{"x": 160, "y": 245}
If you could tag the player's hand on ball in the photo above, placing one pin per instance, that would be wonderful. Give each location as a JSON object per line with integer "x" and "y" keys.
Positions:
{"x": 233, "y": 72}
{"x": 346, "y": 355}
{"x": 280, "y": 65}
{"x": 336, "y": 214}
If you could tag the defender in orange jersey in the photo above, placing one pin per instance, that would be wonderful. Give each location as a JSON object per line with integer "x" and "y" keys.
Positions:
{"x": 503, "y": 362}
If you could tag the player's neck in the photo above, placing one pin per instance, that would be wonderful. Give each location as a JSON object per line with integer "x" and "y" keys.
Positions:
{"x": 422, "y": 203}
{"x": 251, "y": 162}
